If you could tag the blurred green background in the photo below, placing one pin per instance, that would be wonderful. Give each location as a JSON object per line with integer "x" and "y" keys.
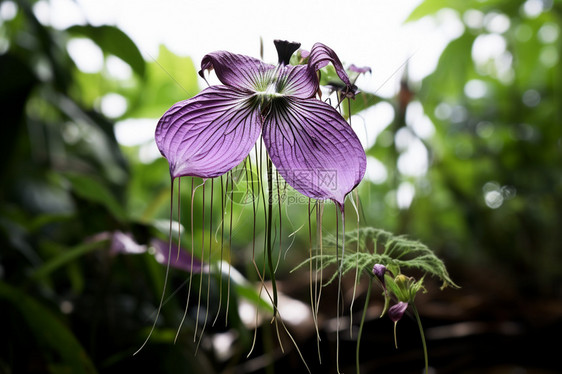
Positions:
{"x": 73, "y": 200}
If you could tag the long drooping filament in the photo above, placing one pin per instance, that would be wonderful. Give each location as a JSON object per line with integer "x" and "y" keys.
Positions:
{"x": 193, "y": 189}
{"x": 340, "y": 271}
{"x": 167, "y": 269}
{"x": 210, "y": 259}
{"x": 223, "y": 213}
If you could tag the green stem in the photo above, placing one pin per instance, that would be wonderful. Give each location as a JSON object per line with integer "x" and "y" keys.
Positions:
{"x": 368, "y": 297}
{"x": 422, "y": 338}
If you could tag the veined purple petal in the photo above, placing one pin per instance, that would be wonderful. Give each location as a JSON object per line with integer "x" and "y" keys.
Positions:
{"x": 209, "y": 134}
{"x": 313, "y": 148}
{"x": 297, "y": 81}
{"x": 238, "y": 71}
{"x": 321, "y": 55}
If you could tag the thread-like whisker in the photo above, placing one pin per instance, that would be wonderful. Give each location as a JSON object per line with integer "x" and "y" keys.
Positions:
{"x": 210, "y": 259}
{"x": 229, "y": 248}
{"x": 248, "y": 180}
{"x": 339, "y": 301}
{"x": 167, "y": 269}
{"x": 357, "y": 273}
{"x": 193, "y": 189}
{"x": 179, "y": 219}
{"x": 312, "y": 286}
{"x": 202, "y": 261}
{"x": 221, "y": 250}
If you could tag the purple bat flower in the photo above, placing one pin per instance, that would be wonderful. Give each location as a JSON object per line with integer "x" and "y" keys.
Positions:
{"x": 311, "y": 145}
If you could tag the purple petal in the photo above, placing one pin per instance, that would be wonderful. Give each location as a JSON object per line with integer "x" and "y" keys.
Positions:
{"x": 360, "y": 70}
{"x": 313, "y": 148}
{"x": 183, "y": 261}
{"x": 298, "y": 81}
{"x": 396, "y": 311}
{"x": 209, "y": 134}
{"x": 238, "y": 71}
{"x": 321, "y": 55}
{"x": 125, "y": 243}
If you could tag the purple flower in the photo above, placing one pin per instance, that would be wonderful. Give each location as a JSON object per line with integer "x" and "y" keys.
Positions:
{"x": 124, "y": 243}
{"x": 396, "y": 311}
{"x": 359, "y": 70}
{"x": 308, "y": 141}
{"x": 379, "y": 270}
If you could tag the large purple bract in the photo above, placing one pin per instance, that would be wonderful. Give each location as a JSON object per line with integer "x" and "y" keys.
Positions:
{"x": 313, "y": 148}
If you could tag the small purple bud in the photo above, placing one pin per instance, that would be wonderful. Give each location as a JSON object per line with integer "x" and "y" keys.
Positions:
{"x": 360, "y": 70}
{"x": 379, "y": 271}
{"x": 396, "y": 311}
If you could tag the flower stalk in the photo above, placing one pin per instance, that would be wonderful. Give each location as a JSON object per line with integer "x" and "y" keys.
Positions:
{"x": 422, "y": 335}
{"x": 365, "y": 307}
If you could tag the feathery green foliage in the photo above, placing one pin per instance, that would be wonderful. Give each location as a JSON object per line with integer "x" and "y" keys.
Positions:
{"x": 368, "y": 246}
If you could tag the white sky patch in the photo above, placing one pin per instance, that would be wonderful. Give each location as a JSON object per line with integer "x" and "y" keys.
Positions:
{"x": 497, "y": 22}
{"x": 117, "y": 68}
{"x": 405, "y": 194}
{"x": 369, "y": 123}
{"x": 8, "y": 10}
{"x": 376, "y": 171}
{"x": 87, "y": 56}
{"x": 139, "y": 132}
{"x": 487, "y": 47}
{"x": 418, "y": 121}
{"x": 475, "y": 89}
{"x": 132, "y": 132}
{"x": 413, "y": 162}
{"x": 113, "y": 105}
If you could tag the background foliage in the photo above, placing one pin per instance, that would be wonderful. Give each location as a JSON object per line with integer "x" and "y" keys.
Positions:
{"x": 490, "y": 203}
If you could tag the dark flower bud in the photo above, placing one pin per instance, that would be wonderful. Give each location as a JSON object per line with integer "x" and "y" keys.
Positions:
{"x": 396, "y": 311}
{"x": 285, "y": 50}
{"x": 379, "y": 270}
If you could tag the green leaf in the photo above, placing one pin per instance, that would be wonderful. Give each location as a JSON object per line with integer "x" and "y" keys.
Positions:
{"x": 169, "y": 79}
{"x": 61, "y": 350}
{"x": 67, "y": 256}
{"x": 114, "y": 41}
{"x": 450, "y": 75}
{"x": 91, "y": 189}
{"x": 361, "y": 102}
{"x": 431, "y": 7}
